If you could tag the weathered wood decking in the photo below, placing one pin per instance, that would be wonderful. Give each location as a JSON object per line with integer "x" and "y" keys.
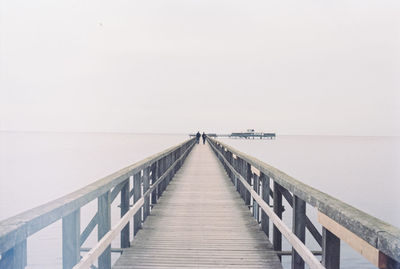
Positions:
{"x": 200, "y": 222}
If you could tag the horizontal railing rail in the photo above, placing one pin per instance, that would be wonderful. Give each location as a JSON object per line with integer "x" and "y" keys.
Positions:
{"x": 150, "y": 178}
{"x": 375, "y": 239}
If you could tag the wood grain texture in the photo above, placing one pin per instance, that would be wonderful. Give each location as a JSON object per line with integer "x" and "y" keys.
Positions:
{"x": 200, "y": 222}
{"x": 17, "y": 228}
{"x": 376, "y": 232}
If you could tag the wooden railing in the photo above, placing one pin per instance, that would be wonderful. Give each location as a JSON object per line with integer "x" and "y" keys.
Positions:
{"x": 150, "y": 178}
{"x": 376, "y": 240}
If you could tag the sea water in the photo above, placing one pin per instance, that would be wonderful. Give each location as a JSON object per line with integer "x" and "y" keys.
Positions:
{"x": 38, "y": 167}
{"x": 361, "y": 171}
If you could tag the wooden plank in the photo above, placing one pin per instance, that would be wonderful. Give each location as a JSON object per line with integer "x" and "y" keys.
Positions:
{"x": 310, "y": 226}
{"x": 276, "y": 234}
{"x": 371, "y": 253}
{"x": 376, "y": 232}
{"x": 303, "y": 251}
{"x": 89, "y": 228}
{"x": 248, "y": 176}
{"x": 265, "y": 196}
{"x": 14, "y": 258}
{"x": 154, "y": 176}
{"x": 256, "y": 188}
{"x": 146, "y": 186}
{"x": 200, "y": 222}
{"x": 137, "y": 194}
{"x": 106, "y": 240}
{"x": 125, "y": 240}
{"x": 104, "y": 225}
{"x": 299, "y": 229}
{"x": 71, "y": 225}
{"x": 16, "y": 229}
{"x": 330, "y": 250}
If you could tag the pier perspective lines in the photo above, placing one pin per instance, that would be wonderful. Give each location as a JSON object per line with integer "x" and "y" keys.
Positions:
{"x": 200, "y": 222}
{"x": 201, "y": 206}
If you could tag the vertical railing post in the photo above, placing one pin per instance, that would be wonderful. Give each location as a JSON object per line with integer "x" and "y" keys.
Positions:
{"x": 104, "y": 225}
{"x": 265, "y": 196}
{"x": 160, "y": 173}
{"x": 154, "y": 178}
{"x": 168, "y": 164}
{"x": 239, "y": 168}
{"x": 256, "y": 185}
{"x": 146, "y": 186}
{"x": 299, "y": 229}
{"x": 330, "y": 250}
{"x": 277, "y": 236}
{"x": 247, "y": 175}
{"x": 71, "y": 239}
{"x": 137, "y": 193}
{"x": 14, "y": 258}
{"x": 230, "y": 160}
{"x": 125, "y": 241}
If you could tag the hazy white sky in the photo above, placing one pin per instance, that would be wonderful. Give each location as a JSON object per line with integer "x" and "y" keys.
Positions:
{"x": 293, "y": 67}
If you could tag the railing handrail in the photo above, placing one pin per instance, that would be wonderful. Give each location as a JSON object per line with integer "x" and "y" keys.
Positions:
{"x": 374, "y": 231}
{"x": 17, "y": 228}
{"x": 98, "y": 249}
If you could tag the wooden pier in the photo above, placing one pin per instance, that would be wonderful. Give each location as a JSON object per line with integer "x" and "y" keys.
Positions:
{"x": 202, "y": 206}
{"x": 200, "y": 222}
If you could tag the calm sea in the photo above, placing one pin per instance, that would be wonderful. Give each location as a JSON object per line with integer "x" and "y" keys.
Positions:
{"x": 361, "y": 171}
{"x": 38, "y": 167}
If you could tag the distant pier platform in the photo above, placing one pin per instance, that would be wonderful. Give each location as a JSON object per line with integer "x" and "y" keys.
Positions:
{"x": 245, "y": 135}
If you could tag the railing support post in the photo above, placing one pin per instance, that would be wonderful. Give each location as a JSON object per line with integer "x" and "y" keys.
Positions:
{"x": 154, "y": 177}
{"x": 256, "y": 188}
{"x": 277, "y": 236}
{"x": 137, "y": 193}
{"x": 71, "y": 239}
{"x": 104, "y": 225}
{"x": 265, "y": 196}
{"x": 14, "y": 258}
{"x": 330, "y": 250}
{"x": 299, "y": 229}
{"x": 239, "y": 164}
{"x": 146, "y": 186}
{"x": 125, "y": 241}
{"x": 248, "y": 174}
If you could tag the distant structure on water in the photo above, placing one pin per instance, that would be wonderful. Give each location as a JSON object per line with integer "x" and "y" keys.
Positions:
{"x": 248, "y": 134}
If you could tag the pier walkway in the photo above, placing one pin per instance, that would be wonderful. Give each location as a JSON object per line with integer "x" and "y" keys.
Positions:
{"x": 200, "y": 222}
{"x": 201, "y": 206}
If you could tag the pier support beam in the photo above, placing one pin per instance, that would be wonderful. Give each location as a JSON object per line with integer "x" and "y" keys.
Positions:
{"x": 299, "y": 229}
{"x": 137, "y": 193}
{"x": 71, "y": 225}
{"x": 146, "y": 186}
{"x": 14, "y": 258}
{"x": 125, "y": 241}
{"x": 277, "y": 236}
{"x": 104, "y": 225}
{"x": 154, "y": 177}
{"x": 330, "y": 250}
{"x": 265, "y": 196}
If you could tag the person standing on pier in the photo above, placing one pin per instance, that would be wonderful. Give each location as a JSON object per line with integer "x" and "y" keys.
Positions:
{"x": 198, "y": 137}
{"x": 204, "y": 137}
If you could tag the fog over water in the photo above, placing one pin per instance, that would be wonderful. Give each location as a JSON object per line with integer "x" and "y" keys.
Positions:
{"x": 90, "y": 73}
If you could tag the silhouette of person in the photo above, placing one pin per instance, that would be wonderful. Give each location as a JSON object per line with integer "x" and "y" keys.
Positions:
{"x": 204, "y": 137}
{"x": 198, "y": 137}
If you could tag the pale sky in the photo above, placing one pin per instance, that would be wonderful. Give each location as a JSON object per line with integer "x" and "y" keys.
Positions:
{"x": 291, "y": 67}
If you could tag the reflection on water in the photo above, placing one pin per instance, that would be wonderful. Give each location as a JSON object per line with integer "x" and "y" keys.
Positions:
{"x": 38, "y": 167}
